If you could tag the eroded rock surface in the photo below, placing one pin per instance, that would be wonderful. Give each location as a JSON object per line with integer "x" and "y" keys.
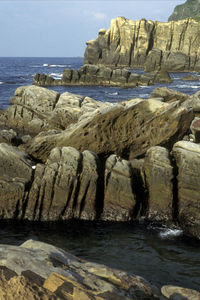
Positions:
{"x": 126, "y": 131}
{"x": 187, "y": 157}
{"x": 64, "y": 276}
{"x": 106, "y": 76}
{"x": 149, "y": 44}
{"x": 65, "y": 187}
{"x": 159, "y": 176}
{"x": 36, "y": 109}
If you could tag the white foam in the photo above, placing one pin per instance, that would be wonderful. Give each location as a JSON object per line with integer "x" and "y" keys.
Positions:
{"x": 33, "y": 167}
{"x": 45, "y": 65}
{"x": 182, "y": 86}
{"x": 168, "y": 233}
{"x": 195, "y": 86}
{"x": 1, "y": 82}
{"x": 58, "y": 66}
{"x": 56, "y": 75}
{"x": 113, "y": 94}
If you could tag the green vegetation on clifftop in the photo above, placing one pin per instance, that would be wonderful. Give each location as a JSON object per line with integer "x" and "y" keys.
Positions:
{"x": 189, "y": 9}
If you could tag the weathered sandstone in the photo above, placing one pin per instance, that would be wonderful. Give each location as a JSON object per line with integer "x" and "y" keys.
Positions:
{"x": 36, "y": 109}
{"x": 187, "y": 157}
{"x": 159, "y": 176}
{"x": 46, "y": 272}
{"x": 173, "y": 46}
{"x": 128, "y": 129}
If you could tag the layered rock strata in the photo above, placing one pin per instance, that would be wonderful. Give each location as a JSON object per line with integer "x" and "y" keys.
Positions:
{"x": 173, "y": 46}
{"x": 106, "y": 76}
{"x": 47, "y": 272}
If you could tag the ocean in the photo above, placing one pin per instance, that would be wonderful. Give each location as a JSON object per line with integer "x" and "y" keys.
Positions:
{"x": 19, "y": 71}
{"x": 159, "y": 254}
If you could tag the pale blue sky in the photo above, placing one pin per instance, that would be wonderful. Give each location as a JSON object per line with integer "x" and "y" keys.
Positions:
{"x": 60, "y": 28}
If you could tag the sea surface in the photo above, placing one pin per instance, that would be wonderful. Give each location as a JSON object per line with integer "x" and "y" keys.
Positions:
{"x": 159, "y": 254}
{"x": 19, "y": 71}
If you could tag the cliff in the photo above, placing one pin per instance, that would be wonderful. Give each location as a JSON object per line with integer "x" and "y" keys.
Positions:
{"x": 174, "y": 46}
{"x": 189, "y": 9}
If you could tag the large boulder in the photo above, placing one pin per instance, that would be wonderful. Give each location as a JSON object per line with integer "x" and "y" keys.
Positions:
{"x": 168, "y": 94}
{"x": 65, "y": 187}
{"x": 125, "y": 131}
{"x": 36, "y": 109}
{"x": 119, "y": 198}
{"x": 159, "y": 180}
{"x": 193, "y": 102}
{"x": 187, "y": 156}
{"x": 15, "y": 179}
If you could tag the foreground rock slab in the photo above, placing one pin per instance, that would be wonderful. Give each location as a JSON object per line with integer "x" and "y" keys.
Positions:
{"x": 41, "y": 267}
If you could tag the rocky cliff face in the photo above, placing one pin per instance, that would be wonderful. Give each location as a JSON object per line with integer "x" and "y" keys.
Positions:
{"x": 174, "y": 46}
{"x": 189, "y": 9}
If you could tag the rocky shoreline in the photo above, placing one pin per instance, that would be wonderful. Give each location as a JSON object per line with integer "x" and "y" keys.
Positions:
{"x": 106, "y": 76}
{"x": 91, "y": 160}
{"x": 36, "y": 270}
{"x": 65, "y": 157}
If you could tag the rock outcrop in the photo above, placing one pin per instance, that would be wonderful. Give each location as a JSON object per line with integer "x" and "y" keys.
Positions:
{"x": 112, "y": 164}
{"x": 172, "y": 46}
{"x": 189, "y": 9}
{"x": 159, "y": 180}
{"x": 187, "y": 157}
{"x": 46, "y": 272}
{"x": 36, "y": 109}
{"x": 66, "y": 187}
{"x": 101, "y": 75}
{"x": 128, "y": 131}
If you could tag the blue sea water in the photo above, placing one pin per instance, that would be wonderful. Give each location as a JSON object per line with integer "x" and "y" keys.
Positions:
{"x": 161, "y": 255}
{"x": 19, "y": 71}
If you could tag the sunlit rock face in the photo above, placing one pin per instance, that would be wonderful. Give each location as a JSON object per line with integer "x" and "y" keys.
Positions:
{"x": 173, "y": 46}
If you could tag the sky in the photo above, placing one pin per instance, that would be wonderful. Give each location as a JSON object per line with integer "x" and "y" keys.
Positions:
{"x": 60, "y": 28}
